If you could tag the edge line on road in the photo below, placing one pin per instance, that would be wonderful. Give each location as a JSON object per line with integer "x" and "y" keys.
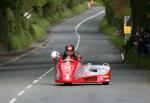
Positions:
{"x": 80, "y": 23}
{"x": 30, "y": 86}
{"x": 13, "y": 100}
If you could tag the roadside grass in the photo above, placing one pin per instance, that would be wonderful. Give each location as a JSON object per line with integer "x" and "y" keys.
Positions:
{"x": 38, "y": 27}
{"x": 142, "y": 62}
{"x": 132, "y": 57}
{"x": 19, "y": 41}
{"x": 110, "y": 31}
{"x": 24, "y": 39}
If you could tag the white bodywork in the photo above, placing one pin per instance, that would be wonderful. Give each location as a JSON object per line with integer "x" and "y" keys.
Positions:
{"x": 91, "y": 70}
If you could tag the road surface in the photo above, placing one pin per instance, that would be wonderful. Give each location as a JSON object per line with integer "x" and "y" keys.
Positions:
{"x": 31, "y": 79}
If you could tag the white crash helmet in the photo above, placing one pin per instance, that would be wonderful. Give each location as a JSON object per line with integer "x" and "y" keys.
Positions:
{"x": 54, "y": 54}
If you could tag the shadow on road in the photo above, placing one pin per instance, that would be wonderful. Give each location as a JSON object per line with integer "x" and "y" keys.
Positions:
{"x": 71, "y": 85}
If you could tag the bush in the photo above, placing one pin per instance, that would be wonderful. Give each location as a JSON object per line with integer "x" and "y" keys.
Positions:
{"x": 39, "y": 28}
{"x": 21, "y": 41}
{"x": 138, "y": 61}
{"x": 17, "y": 36}
{"x": 67, "y": 13}
{"x": 80, "y": 8}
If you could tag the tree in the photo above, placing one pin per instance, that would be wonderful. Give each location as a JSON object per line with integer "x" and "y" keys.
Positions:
{"x": 110, "y": 10}
{"x": 140, "y": 17}
{"x": 13, "y": 23}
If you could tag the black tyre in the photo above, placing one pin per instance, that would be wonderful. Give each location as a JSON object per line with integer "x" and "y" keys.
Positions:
{"x": 67, "y": 84}
{"x": 105, "y": 83}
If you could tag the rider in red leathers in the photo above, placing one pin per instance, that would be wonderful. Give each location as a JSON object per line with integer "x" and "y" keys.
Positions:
{"x": 69, "y": 52}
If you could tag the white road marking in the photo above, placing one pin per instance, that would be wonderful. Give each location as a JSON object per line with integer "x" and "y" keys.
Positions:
{"x": 21, "y": 93}
{"x": 50, "y": 69}
{"x": 35, "y": 81}
{"x": 29, "y": 86}
{"x": 40, "y": 78}
{"x": 43, "y": 75}
{"x": 13, "y": 100}
{"x": 80, "y": 23}
{"x": 78, "y": 35}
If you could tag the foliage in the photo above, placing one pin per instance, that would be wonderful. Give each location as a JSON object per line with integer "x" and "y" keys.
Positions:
{"x": 39, "y": 3}
{"x": 17, "y": 32}
{"x": 111, "y": 32}
{"x": 115, "y": 12}
{"x": 138, "y": 61}
{"x": 110, "y": 10}
{"x": 140, "y": 16}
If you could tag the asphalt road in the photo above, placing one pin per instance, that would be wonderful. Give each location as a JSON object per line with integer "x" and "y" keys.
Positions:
{"x": 31, "y": 79}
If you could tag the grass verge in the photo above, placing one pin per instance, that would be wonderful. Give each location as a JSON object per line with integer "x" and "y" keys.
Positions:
{"x": 142, "y": 62}
{"x": 110, "y": 31}
{"x": 132, "y": 56}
